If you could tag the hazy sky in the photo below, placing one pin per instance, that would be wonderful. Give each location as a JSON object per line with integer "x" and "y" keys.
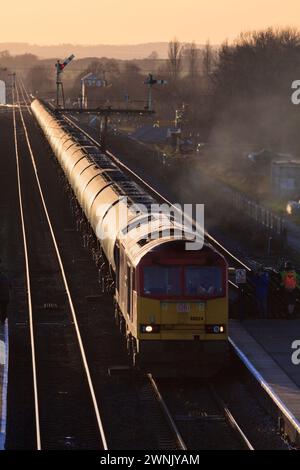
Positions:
{"x": 136, "y": 21}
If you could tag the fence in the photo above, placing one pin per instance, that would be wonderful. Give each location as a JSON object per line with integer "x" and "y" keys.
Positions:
{"x": 260, "y": 214}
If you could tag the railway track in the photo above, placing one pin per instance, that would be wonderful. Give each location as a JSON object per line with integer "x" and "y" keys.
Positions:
{"x": 66, "y": 411}
{"x": 177, "y": 438}
{"x": 202, "y": 420}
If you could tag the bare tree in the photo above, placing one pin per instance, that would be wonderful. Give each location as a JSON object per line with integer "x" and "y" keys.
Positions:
{"x": 153, "y": 56}
{"x": 175, "y": 59}
{"x": 104, "y": 68}
{"x": 192, "y": 56}
{"x": 251, "y": 84}
{"x": 4, "y": 54}
{"x": 39, "y": 79}
{"x": 207, "y": 59}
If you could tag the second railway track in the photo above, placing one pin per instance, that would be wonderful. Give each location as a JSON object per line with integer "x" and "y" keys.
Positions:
{"x": 65, "y": 405}
{"x": 198, "y": 417}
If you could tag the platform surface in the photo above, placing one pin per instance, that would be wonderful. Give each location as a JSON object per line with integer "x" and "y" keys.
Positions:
{"x": 267, "y": 345}
{"x": 3, "y": 382}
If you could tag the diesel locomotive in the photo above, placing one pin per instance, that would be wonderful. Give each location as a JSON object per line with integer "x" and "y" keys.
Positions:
{"x": 171, "y": 303}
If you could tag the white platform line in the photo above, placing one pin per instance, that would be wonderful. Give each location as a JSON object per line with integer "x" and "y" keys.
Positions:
{"x": 273, "y": 395}
{"x": 4, "y": 390}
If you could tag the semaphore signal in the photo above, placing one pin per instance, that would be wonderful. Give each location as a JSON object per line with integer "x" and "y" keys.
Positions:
{"x": 151, "y": 81}
{"x": 60, "y": 66}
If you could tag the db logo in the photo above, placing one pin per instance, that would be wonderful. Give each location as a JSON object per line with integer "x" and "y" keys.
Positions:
{"x": 296, "y": 353}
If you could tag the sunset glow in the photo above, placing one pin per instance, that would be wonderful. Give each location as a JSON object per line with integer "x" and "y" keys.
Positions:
{"x": 138, "y": 21}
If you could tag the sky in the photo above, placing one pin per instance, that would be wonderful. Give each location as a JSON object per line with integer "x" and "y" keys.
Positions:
{"x": 139, "y": 21}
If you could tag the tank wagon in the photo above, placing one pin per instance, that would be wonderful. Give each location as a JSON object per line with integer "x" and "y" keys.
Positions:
{"x": 171, "y": 303}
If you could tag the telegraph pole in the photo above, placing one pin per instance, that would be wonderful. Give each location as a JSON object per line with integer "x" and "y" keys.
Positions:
{"x": 13, "y": 79}
{"x": 103, "y": 131}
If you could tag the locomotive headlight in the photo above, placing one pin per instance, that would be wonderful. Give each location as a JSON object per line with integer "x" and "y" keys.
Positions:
{"x": 215, "y": 329}
{"x": 150, "y": 328}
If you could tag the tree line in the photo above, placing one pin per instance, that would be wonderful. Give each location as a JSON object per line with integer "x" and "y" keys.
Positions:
{"x": 237, "y": 92}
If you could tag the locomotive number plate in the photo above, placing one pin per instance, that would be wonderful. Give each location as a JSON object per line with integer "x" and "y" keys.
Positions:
{"x": 183, "y": 308}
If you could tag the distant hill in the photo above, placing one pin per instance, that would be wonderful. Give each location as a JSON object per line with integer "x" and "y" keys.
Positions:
{"x": 137, "y": 51}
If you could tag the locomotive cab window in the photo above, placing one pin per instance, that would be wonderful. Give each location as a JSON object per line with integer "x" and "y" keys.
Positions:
{"x": 203, "y": 280}
{"x": 162, "y": 280}
{"x": 185, "y": 281}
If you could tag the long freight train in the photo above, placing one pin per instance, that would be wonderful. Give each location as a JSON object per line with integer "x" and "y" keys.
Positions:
{"x": 171, "y": 303}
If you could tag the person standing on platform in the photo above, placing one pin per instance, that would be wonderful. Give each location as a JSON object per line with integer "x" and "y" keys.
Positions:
{"x": 290, "y": 284}
{"x": 5, "y": 288}
{"x": 261, "y": 283}
{"x": 241, "y": 282}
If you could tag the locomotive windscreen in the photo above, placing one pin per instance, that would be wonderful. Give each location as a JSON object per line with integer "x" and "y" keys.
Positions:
{"x": 183, "y": 281}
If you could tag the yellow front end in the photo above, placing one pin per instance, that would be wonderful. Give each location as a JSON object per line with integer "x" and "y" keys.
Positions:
{"x": 182, "y": 320}
{"x": 182, "y": 341}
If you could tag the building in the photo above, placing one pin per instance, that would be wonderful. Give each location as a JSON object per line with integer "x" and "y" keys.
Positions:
{"x": 285, "y": 176}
